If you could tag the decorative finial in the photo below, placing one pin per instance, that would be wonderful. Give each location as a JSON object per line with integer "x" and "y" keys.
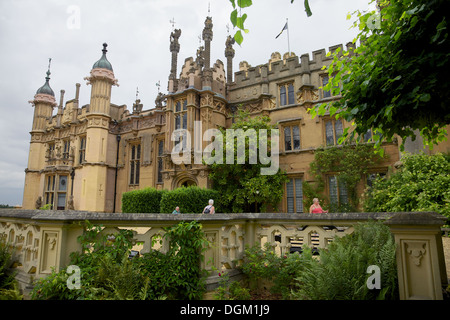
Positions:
{"x": 209, "y": 9}
{"x": 158, "y": 84}
{"x": 48, "y": 70}
{"x": 173, "y": 23}
{"x": 137, "y": 106}
{"x": 104, "y": 48}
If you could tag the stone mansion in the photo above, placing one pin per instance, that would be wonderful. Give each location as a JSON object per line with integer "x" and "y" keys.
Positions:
{"x": 84, "y": 157}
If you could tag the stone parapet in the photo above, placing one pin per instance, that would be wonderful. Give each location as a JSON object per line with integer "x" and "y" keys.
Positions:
{"x": 44, "y": 239}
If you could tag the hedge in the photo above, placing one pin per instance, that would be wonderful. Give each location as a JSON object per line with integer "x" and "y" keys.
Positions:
{"x": 142, "y": 201}
{"x": 191, "y": 199}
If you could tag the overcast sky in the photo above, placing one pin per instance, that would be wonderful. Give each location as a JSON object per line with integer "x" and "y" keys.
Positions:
{"x": 137, "y": 33}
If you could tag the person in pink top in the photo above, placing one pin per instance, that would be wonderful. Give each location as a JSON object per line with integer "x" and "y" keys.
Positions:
{"x": 316, "y": 208}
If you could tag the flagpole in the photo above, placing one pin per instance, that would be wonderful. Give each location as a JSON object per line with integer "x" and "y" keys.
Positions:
{"x": 289, "y": 47}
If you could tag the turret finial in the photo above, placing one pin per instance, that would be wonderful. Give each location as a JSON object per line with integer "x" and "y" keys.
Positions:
{"x": 48, "y": 70}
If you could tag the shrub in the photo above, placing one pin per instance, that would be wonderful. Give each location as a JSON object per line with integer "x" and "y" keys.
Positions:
{"x": 230, "y": 290}
{"x": 99, "y": 262}
{"x": 341, "y": 271}
{"x": 187, "y": 241}
{"x": 142, "y": 201}
{"x": 264, "y": 263}
{"x": 422, "y": 184}
{"x": 107, "y": 271}
{"x": 8, "y": 284}
{"x": 191, "y": 199}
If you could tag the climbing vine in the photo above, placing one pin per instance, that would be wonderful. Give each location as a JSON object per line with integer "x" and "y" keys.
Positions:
{"x": 349, "y": 163}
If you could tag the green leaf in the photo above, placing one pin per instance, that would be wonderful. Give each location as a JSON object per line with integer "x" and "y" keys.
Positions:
{"x": 425, "y": 97}
{"x": 240, "y": 21}
{"x": 233, "y": 17}
{"x": 238, "y": 37}
{"x": 244, "y": 3}
{"x": 307, "y": 9}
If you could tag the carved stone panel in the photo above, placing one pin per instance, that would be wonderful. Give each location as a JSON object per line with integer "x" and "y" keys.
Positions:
{"x": 232, "y": 246}
{"x": 49, "y": 251}
{"x": 211, "y": 255}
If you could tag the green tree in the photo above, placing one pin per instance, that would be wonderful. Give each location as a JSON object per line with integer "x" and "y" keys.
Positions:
{"x": 242, "y": 187}
{"x": 394, "y": 82}
{"x": 421, "y": 184}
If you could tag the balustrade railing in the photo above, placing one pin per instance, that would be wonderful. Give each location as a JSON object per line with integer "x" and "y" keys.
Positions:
{"x": 43, "y": 240}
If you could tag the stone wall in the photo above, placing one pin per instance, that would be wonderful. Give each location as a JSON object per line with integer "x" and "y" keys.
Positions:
{"x": 44, "y": 239}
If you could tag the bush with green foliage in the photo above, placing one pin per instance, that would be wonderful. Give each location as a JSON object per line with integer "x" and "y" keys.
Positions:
{"x": 231, "y": 290}
{"x": 142, "y": 201}
{"x": 264, "y": 263}
{"x": 186, "y": 277}
{"x": 191, "y": 199}
{"x": 421, "y": 184}
{"x": 8, "y": 284}
{"x": 341, "y": 271}
{"x": 108, "y": 273}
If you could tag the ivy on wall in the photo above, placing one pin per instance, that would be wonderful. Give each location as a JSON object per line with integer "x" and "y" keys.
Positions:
{"x": 349, "y": 163}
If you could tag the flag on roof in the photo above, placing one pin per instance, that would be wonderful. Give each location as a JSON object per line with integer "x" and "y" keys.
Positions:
{"x": 284, "y": 28}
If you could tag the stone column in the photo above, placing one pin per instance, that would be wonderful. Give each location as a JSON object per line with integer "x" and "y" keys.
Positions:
{"x": 174, "y": 49}
{"x": 207, "y": 37}
{"x": 229, "y": 54}
{"x": 420, "y": 255}
{"x": 59, "y": 115}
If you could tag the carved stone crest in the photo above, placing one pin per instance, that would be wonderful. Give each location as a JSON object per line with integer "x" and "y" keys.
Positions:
{"x": 416, "y": 251}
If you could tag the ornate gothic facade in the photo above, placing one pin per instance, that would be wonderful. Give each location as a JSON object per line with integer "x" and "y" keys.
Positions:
{"x": 86, "y": 157}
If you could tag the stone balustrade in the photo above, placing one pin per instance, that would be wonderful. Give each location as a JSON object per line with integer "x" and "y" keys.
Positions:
{"x": 43, "y": 240}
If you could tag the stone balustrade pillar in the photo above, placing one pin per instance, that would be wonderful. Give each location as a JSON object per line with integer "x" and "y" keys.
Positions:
{"x": 420, "y": 260}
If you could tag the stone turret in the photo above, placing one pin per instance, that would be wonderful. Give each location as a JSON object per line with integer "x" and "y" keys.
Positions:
{"x": 207, "y": 37}
{"x": 101, "y": 79}
{"x": 43, "y": 103}
{"x": 98, "y": 191}
{"x": 174, "y": 49}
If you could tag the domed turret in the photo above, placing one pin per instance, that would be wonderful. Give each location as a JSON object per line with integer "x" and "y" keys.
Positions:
{"x": 103, "y": 63}
{"x": 45, "y": 89}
